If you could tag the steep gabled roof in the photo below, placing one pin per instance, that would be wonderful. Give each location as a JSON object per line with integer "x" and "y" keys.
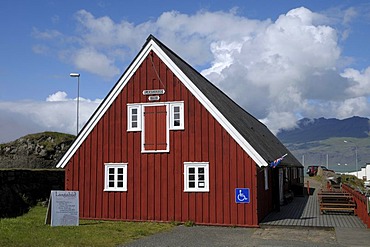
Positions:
{"x": 253, "y": 136}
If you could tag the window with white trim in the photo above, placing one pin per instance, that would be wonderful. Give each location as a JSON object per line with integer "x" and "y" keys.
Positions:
{"x": 196, "y": 176}
{"x": 177, "y": 116}
{"x": 115, "y": 177}
{"x": 134, "y": 118}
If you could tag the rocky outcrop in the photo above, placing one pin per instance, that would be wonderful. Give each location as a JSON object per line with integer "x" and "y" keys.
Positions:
{"x": 42, "y": 150}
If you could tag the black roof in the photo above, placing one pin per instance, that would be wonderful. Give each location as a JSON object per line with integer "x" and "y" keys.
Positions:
{"x": 257, "y": 134}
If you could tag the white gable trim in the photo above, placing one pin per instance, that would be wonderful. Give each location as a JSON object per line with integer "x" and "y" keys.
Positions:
{"x": 189, "y": 85}
{"x": 212, "y": 109}
{"x": 108, "y": 101}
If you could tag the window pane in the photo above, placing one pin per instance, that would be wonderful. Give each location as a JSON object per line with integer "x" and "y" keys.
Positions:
{"x": 176, "y": 109}
{"x": 176, "y": 123}
{"x": 134, "y": 118}
{"x": 176, "y": 116}
{"x": 134, "y": 124}
{"x": 196, "y": 177}
{"x": 116, "y": 177}
{"x": 134, "y": 111}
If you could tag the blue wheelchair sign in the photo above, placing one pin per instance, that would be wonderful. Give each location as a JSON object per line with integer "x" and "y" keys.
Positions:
{"x": 242, "y": 195}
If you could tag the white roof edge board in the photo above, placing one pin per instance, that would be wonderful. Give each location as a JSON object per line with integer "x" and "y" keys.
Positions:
{"x": 103, "y": 108}
{"x": 187, "y": 82}
{"x": 212, "y": 109}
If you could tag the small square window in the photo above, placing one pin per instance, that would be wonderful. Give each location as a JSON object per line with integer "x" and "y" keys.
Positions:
{"x": 115, "y": 177}
{"x": 196, "y": 177}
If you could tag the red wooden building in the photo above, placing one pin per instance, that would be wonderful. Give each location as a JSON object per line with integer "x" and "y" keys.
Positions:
{"x": 167, "y": 145}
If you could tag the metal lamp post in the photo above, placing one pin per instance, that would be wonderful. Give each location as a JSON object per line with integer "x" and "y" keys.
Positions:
{"x": 356, "y": 161}
{"x": 78, "y": 95}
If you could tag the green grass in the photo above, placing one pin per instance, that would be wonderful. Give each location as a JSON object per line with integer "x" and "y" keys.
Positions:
{"x": 29, "y": 230}
{"x": 353, "y": 182}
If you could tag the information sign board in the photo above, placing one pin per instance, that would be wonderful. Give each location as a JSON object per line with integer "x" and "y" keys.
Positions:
{"x": 63, "y": 208}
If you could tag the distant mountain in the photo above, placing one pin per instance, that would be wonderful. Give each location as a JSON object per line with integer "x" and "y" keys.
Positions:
{"x": 331, "y": 142}
{"x": 320, "y": 129}
{"x": 41, "y": 150}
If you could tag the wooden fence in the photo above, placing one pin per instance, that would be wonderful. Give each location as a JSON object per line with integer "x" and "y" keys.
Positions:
{"x": 361, "y": 202}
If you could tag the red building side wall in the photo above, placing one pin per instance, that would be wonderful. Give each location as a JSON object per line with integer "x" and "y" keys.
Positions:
{"x": 156, "y": 180}
{"x": 265, "y": 204}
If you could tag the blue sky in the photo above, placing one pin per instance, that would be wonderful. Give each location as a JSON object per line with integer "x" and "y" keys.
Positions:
{"x": 299, "y": 58}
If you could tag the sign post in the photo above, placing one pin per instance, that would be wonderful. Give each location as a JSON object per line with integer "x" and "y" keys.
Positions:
{"x": 63, "y": 208}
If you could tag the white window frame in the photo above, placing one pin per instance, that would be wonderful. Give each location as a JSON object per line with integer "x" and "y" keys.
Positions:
{"x": 172, "y": 116}
{"x": 130, "y": 115}
{"x": 196, "y": 165}
{"x": 115, "y": 166}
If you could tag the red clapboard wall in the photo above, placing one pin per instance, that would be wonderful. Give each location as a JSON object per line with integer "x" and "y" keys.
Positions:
{"x": 155, "y": 188}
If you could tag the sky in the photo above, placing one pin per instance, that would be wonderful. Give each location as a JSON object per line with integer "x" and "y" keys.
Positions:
{"x": 280, "y": 60}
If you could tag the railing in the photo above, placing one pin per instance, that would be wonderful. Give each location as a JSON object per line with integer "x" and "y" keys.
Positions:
{"x": 361, "y": 202}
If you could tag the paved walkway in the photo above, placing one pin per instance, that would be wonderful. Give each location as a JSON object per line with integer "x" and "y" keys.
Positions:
{"x": 297, "y": 224}
{"x": 305, "y": 211}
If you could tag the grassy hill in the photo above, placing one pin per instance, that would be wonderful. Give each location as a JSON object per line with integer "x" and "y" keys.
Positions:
{"x": 330, "y": 141}
{"x": 333, "y": 151}
{"x": 41, "y": 150}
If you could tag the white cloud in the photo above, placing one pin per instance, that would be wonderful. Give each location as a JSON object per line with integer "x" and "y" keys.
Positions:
{"x": 58, "y": 96}
{"x": 278, "y": 70}
{"x": 360, "y": 81}
{"x": 40, "y": 49}
{"x": 353, "y": 107}
{"x": 279, "y": 120}
{"x": 95, "y": 62}
{"x": 57, "y": 113}
{"x": 46, "y": 35}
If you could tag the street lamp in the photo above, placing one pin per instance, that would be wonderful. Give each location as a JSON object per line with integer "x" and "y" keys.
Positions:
{"x": 78, "y": 94}
{"x": 355, "y": 154}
